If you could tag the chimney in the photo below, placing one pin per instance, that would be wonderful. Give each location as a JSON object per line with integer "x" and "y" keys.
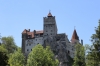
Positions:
{"x": 81, "y": 41}
{"x": 34, "y": 31}
{"x": 29, "y": 30}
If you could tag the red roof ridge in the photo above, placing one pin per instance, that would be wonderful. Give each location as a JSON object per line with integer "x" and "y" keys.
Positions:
{"x": 32, "y": 32}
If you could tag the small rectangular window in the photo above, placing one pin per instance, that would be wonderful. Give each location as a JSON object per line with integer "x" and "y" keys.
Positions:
{"x": 27, "y": 49}
{"x": 29, "y": 44}
{"x": 26, "y": 44}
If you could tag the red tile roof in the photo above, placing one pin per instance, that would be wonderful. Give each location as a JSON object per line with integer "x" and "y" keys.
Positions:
{"x": 75, "y": 36}
{"x": 49, "y": 15}
{"x": 32, "y": 33}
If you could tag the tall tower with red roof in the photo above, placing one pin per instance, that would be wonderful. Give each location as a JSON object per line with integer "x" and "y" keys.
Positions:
{"x": 49, "y": 25}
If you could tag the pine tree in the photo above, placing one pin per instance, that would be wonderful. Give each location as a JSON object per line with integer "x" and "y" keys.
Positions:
{"x": 94, "y": 55}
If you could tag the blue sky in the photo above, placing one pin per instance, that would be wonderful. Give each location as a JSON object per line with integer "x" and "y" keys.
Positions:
{"x": 17, "y": 15}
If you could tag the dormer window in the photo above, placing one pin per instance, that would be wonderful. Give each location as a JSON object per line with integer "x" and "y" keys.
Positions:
{"x": 29, "y": 36}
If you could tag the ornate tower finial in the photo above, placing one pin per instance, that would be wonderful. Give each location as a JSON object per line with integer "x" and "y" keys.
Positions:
{"x": 49, "y": 15}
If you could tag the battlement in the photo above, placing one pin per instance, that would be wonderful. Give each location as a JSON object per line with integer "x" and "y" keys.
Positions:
{"x": 45, "y": 18}
{"x": 49, "y": 20}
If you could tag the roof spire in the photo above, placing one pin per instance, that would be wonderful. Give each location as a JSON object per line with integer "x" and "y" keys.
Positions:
{"x": 75, "y": 36}
{"x": 74, "y": 27}
{"x": 49, "y": 14}
{"x": 49, "y": 11}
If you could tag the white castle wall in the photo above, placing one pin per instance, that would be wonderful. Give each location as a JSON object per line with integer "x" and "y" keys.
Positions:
{"x": 33, "y": 42}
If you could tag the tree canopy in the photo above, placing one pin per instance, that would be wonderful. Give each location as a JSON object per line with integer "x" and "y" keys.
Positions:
{"x": 40, "y": 56}
{"x": 79, "y": 59}
{"x": 93, "y": 57}
{"x": 9, "y": 44}
{"x": 3, "y": 56}
{"x": 17, "y": 58}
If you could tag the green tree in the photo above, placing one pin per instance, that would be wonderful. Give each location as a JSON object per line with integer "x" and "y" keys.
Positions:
{"x": 79, "y": 59}
{"x": 40, "y": 56}
{"x": 17, "y": 58}
{"x": 9, "y": 44}
{"x": 3, "y": 56}
{"x": 95, "y": 52}
{"x": 90, "y": 59}
{"x": 89, "y": 56}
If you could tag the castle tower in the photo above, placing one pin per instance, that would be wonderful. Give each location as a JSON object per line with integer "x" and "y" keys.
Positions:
{"x": 24, "y": 37}
{"x": 74, "y": 42}
{"x": 75, "y": 37}
{"x": 49, "y": 26}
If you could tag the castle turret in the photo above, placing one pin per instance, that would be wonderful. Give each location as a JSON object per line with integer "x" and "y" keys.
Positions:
{"x": 75, "y": 37}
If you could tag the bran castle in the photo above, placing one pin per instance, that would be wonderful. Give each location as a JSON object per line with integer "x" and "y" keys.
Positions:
{"x": 59, "y": 43}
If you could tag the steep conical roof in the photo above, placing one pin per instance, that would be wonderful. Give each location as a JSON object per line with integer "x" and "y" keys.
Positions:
{"x": 75, "y": 36}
